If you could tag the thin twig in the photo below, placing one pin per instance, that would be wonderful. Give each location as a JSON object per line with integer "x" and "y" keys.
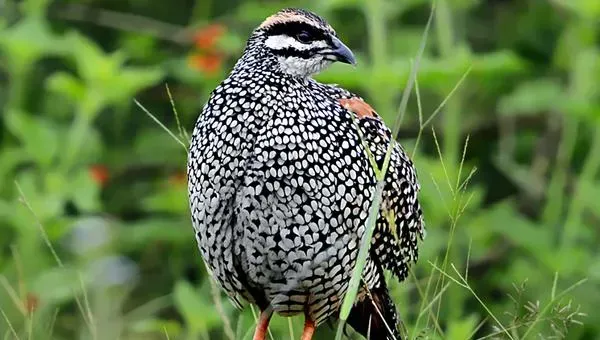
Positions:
{"x": 124, "y": 22}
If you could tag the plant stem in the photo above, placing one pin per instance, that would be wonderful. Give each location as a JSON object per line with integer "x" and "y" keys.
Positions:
{"x": 451, "y": 144}
{"x": 376, "y": 23}
{"x": 590, "y": 169}
{"x": 361, "y": 258}
{"x": 452, "y": 118}
{"x": 581, "y": 79}
{"x": 79, "y": 130}
{"x": 18, "y": 85}
{"x": 554, "y": 205}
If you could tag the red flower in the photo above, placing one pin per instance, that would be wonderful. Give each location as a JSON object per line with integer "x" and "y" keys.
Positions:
{"x": 99, "y": 174}
{"x": 207, "y": 37}
{"x": 208, "y": 63}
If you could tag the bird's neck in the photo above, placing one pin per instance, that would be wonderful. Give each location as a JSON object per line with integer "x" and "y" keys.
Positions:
{"x": 258, "y": 61}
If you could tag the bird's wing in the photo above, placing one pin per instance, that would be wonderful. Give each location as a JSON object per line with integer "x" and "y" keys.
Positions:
{"x": 214, "y": 169}
{"x": 400, "y": 221}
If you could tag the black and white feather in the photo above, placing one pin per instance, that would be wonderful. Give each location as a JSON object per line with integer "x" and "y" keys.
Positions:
{"x": 280, "y": 184}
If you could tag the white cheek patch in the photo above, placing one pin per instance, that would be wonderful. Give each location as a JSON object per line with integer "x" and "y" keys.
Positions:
{"x": 302, "y": 67}
{"x": 280, "y": 42}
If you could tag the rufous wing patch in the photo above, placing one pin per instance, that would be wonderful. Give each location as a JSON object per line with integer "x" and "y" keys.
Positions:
{"x": 358, "y": 106}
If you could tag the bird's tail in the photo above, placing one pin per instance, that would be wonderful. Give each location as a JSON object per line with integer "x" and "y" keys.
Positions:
{"x": 366, "y": 316}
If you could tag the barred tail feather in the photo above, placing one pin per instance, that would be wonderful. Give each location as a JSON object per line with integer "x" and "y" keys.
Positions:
{"x": 366, "y": 316}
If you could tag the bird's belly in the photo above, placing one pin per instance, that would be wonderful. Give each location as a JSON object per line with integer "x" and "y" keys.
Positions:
{"x": 298, "y": 228}
{"x": 297, "y": 265}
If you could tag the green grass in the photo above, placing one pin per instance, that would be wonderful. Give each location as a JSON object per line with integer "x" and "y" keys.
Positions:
{"x": 511, "y": 251}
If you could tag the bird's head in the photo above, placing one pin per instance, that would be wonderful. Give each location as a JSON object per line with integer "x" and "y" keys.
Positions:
{"x": 302, "y": 42}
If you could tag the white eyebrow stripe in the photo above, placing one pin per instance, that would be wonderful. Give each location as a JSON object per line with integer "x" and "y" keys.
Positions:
{"x": 287, "y": 17}
{"x": 282, "y": 41}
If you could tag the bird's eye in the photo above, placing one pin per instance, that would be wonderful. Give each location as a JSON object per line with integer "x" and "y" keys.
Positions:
{"x": 303, "y": 37}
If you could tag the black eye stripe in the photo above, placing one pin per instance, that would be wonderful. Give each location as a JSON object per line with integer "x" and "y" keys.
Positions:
{"x": 292, "y": 52}
{"x": 294, "y": 28}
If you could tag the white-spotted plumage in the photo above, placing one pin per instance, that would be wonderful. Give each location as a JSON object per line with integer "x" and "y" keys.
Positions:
{"x": 280, "y": 185}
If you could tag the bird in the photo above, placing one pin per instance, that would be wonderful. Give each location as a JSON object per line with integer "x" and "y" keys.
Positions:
{"x": 281, "y": 176}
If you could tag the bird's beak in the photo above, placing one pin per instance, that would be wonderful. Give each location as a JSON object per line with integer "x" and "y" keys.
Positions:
{"x": 342, "y": 52}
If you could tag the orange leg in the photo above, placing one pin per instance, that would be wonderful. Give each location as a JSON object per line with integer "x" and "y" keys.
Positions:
{"x": 263, "y": 325}
{"x": 309, "y": 329}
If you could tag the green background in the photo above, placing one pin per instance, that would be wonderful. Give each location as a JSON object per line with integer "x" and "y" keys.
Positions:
{"x": 512, "y": 215}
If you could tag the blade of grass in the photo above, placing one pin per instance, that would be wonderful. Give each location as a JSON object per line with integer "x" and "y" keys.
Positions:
{"x": 424, "y": 298}
{"x": 291, "y": 329}
{"x": 182, "y": 133}
{"x": 462, "y": 161}
{"x": 148, "y": 308}
{"x": 43, "y": 233}
{"x": 591, "y": 167}
{"x": 463, "y": 283}
{"x": 85, "y": 313}
{"x": 88, "y": 309}
{"x": 19, "y": 269}
{"x": 10, "y": 326}
{"x": 52, "y": 323}
{"x": 432, "y": 302}
{"x": 391, "y": 332}
{"x": 413, "y": 74}
{"x": 13, "y": 295}
{"x": 354, "y": 283}
{"x": 29, "y": 321}
{"x": 360, "y": 261}
{"x": 160, "y": 124}
{"x": 420, "y": 111}
{"x": 215, "y": 293}
{"x": 442, "y": 198}
{"x": 544, "y": 311}
{"x": 477, "y": 328}
{"x": 439, "y": 151}
{"x": 448, "y": 97}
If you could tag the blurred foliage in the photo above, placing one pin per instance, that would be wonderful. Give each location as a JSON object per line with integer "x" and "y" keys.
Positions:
{"x": 513, "y": 216}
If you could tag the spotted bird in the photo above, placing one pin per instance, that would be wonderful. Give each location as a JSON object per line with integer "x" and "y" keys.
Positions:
{"x": 280, "y": 183}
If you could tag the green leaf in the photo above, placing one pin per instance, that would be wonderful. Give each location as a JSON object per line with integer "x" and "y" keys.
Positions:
{"x": 38, "y": 136}
{"x": 502, "y": 219}
{"x": 589, "y": 192}
{"x": 461, "y": 329}
{"x": 67, "y": 85}
{"x": 138, "y": 235}
{"x": 157, "y": 326}
{"x": 22, "y": 50}
{"x": 56, "y": 285}
{"x": 172, "y": 199}
{"x": 107, "y": 80}
{"x": 532, "y": 97}
{"x": 198, "y": 313}
{"x": 10, "y": 159}
{"x": 84, "y": 192}
{"x": 46, "y": 205}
